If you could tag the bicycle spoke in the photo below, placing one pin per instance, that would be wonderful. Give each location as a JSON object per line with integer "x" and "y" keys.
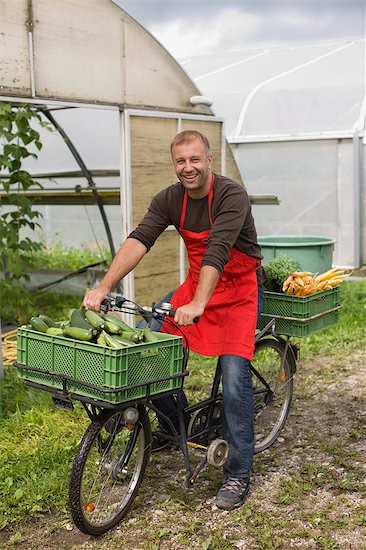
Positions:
{"x": 272, "y": 384}
{"x": 107, "y": 472}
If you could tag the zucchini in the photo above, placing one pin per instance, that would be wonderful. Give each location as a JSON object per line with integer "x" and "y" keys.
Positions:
{"x": 95, "y": 320}
{"x": 135, "y": 337}
{"x": 38, "y": 324}
{"x": 111, "y": 327}
{"x": 150, "y": 336}
{"x": 124, "y": 341}
{"x": 48, "y": 320}
{"x": 70, "y": 312}
{"x": 138, "y": 337}
{"x": 111, "y": 341}
{"x": 54, "y": 331}
{"x": 123, "y": 326}
{"x": 62, "y": 324}
{"x": 77, "y": 320}
{"x": 78, "y": 333}
{"x": 101, "y": 340}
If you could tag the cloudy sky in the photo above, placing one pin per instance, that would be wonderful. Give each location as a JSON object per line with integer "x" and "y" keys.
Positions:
{"x": 187, "y": 27}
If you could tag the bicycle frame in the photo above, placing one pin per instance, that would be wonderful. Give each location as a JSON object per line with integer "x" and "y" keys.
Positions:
{"x": 182, "y": 439}
{"x": 179, "y": 436}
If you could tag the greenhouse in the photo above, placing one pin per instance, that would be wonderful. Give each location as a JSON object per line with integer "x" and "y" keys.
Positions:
{"x": 295, "y": 119}
{"x": 114, "y": 99}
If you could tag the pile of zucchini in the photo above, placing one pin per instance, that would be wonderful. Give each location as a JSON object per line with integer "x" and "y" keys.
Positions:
{"x": 89, "y": 326}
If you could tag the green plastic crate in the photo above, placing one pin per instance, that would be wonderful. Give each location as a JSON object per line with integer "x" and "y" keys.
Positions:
{"x": 100, "y": 366}
{"x": 300, "y": 315}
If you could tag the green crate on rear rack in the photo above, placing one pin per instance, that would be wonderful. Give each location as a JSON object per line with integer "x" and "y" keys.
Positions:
{"x": 103, "y": 367}
{"x": 300, "y": 315}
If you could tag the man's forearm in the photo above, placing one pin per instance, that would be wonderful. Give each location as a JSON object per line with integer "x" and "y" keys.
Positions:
{"x": 207, "y": 282}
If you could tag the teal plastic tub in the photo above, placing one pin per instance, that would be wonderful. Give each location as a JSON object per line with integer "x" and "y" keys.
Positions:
{"x": 313, "y": 253}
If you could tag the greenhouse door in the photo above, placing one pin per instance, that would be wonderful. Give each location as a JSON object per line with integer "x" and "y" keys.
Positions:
{"x": 146, "y": 169}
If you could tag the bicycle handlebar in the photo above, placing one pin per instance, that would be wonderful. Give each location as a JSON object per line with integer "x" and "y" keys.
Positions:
{"x": 123, "y": 304}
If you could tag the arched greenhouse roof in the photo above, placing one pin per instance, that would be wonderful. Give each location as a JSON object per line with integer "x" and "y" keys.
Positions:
{"x": 297, "y": 90}
{"x": 87, "y": 51}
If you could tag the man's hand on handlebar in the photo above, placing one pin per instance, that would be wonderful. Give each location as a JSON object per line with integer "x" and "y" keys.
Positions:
{"x": 188, "y": 314}
{"x": 95, "y": 297}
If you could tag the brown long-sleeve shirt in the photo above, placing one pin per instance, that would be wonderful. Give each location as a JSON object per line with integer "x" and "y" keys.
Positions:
{"x": 232, "y": 220}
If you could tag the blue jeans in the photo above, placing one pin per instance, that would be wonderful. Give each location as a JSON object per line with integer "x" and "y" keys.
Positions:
{"x": 238, "y": 418}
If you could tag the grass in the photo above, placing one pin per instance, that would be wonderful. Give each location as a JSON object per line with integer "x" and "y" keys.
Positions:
{"x": 18, "y": 305}
{"x": 350, "y": 332}
{"x": 58, "y": 256}
{"x": 37, "y": 445}
{"x": 38, "y": 442}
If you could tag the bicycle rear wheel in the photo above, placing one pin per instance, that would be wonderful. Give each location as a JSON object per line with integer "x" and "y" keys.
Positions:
{"x": 273, "y": 385}
{"x": 107, "y": 470}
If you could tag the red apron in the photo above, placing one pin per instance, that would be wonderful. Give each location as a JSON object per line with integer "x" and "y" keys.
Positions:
{"x": 228, "y": 323}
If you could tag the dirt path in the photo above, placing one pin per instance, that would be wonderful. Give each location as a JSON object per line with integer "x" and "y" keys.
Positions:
{"x": 307, "y": 491}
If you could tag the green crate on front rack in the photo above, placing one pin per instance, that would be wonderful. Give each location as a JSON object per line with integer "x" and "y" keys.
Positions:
{"x": 300, "y": 315}
{"x": 102, "y": 367}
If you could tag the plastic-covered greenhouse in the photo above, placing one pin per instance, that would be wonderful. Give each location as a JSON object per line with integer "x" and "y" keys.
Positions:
{"x": 295, "y": 118}
{"x": 116, "y": 98}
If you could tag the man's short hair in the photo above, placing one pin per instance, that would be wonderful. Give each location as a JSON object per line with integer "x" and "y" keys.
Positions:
{"x": 190, "y": 135}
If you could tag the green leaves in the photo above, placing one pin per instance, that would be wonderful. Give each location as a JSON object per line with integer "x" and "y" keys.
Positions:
{"x": 278, "y": 270}
{"x": 20, "y": 140}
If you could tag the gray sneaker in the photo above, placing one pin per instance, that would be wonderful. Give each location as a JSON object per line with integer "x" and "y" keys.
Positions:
{"x": 232, "y": 493}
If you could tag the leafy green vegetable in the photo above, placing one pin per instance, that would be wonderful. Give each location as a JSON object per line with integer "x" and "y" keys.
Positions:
{"x": 278, "y": 270}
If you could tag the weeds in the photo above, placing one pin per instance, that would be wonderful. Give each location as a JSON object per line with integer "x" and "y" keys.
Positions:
{"x": 18, "y": 305}
{"x": 37, "y": 445}
{"x": 350, "y": 332}
{"x": 58, "y": 256}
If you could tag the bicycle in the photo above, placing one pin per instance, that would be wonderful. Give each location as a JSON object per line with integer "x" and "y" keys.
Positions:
{"x": 114, "y": 452}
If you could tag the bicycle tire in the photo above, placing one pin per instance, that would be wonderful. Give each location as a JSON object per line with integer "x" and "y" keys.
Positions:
{"x": 107, "y": 470}
{"x": 272, "y": 399}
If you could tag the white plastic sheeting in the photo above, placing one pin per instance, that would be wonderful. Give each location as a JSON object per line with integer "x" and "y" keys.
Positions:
{"x": 288, "y": 90}
{"x": 96, "y": 135}
{"x": 87, "y": 51}
{"x": 295, "y": 117}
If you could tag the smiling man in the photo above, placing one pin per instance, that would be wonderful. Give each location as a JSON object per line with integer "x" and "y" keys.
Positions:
{"x": 223, "y": 287}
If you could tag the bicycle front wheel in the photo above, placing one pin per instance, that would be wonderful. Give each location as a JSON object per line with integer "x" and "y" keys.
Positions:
{"x": 272, "y": 385}
{"x": 107, "y": 470}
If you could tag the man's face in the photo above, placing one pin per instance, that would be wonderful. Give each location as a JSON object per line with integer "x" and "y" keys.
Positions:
{"x": 193, "y": 167}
